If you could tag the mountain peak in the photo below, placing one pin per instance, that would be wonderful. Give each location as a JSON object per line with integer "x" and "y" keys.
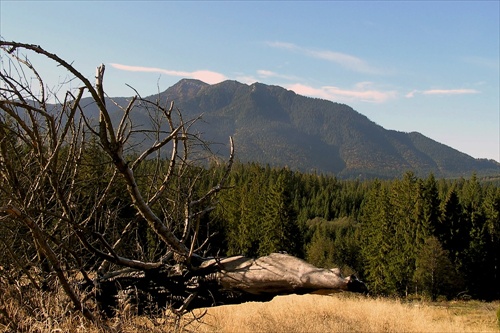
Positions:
{"x": 191, "y": 82}
{"x": 275, "y": 126}
{"x": 188, "y": 88}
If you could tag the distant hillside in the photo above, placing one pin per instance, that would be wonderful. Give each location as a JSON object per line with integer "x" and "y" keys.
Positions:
{"x": 275, "y": 126}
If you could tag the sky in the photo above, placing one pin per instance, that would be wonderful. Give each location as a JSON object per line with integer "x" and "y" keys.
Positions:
{"x": 426, "y": 66}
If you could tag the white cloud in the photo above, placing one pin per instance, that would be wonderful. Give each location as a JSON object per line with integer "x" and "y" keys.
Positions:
{"x": 283, "y": 45}
{"x": 267, "y": 74}
{"x": 247, "y": 79}
{"x": 345, "y": 60}
{"x": 206, "y": 76}
{"x": 450, "y": 91}
{"x": 412, "y": 93}
{"x": 362, "y": 91}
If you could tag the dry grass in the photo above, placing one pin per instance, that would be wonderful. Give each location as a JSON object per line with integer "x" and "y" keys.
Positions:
{"x": 338, "y": 313}
{"x": 343, "y": 312}
{"x": 28, "y": 310}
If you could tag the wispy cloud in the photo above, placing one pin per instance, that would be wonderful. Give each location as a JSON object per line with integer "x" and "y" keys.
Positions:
{"x": 411, "y": 94}
{"x": 442, "y": 92}
{"x": 362, "y": 91}
{"x": 206, "y": 76}
{"x": 450, "y": 91}
{"x": 345, "y": 60}
{"x": 284, "y": 45}
{"x": 263, "y": 73}
{"x": 247, "y": 79}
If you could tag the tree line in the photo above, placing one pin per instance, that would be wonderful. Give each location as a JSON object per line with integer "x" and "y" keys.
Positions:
{"x": 424, "y": 236}
{"x": 404, "y": 236}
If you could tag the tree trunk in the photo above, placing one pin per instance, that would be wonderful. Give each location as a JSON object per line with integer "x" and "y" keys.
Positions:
{"x": 230, "y": 280}
{"x": 279, "y": 273}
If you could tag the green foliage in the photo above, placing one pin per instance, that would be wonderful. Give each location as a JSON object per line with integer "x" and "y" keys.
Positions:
{"x": 377, "y": 231}
{"x": 398, "y": 220}
{"x": 434, "y": 273}
{"x": 335, "y": 244}
{"x": 320, "y": 251}
{"x": 258, "y": 214}
{"x": 279, "y": 223}
{"x": 394, "y": 234}
{"x": 436, "y": 237}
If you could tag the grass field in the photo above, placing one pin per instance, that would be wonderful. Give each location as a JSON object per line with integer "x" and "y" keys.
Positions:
{"x": 343, "y": 312}
{"x": 347, "y": 313}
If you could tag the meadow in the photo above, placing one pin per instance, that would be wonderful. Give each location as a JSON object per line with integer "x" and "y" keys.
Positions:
{"x": 342, "y": 312}
{"x": 349, "y": 313}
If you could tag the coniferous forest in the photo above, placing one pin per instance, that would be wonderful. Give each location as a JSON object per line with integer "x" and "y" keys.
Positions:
{"x": 409, "y": 236}
{"x": 431, "y": 237}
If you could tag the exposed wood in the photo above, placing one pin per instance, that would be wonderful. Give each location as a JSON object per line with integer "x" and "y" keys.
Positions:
{"x": 279, "y": 274}
{"x": 230, "y": 280}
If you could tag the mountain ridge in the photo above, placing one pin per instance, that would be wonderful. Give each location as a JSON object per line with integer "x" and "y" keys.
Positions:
{"x": 276, "y": 126}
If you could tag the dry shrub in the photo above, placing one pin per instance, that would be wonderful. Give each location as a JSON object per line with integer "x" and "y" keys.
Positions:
{"x": 26, "y": 309}
{"x": 23, "y": 308}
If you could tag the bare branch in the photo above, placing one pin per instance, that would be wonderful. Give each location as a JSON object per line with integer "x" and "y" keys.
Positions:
{"x": 223, "y": 180}
{"x": 155, "y": 147}
{"x": 73, "y": 200}
{"x": 123, "y": 124}
{"x": 36, "y": 48}
{"x": 15, "y": 213}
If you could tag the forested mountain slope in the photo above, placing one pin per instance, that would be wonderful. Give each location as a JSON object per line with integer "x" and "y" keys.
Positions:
{"x": 272, "y": 125}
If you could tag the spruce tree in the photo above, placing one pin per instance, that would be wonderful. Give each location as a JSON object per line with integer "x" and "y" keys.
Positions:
{"x": 279, "y": 226}
{"x": 377, "y": 235}
{"x": 453, "y": 231}
{"x": 406, "y": 201}
{"x": 491, "y": 206}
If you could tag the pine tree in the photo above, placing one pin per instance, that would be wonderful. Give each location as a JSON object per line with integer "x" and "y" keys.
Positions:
{"x": 474, "y": 257}
{"x": 241, "y": 212}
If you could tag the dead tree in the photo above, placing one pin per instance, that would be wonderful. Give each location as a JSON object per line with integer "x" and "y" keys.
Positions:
{"x": 66, "y": 203}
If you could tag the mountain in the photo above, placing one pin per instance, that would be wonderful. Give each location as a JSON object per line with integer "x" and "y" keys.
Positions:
{"x": 272, "y": 125}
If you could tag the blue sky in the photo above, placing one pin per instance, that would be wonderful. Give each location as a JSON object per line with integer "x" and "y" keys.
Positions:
{"x": 426, "y": 66}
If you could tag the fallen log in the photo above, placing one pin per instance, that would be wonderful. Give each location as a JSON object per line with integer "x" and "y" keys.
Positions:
{"x": 278, "y": 274}
{"x": 219, "y": 281}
